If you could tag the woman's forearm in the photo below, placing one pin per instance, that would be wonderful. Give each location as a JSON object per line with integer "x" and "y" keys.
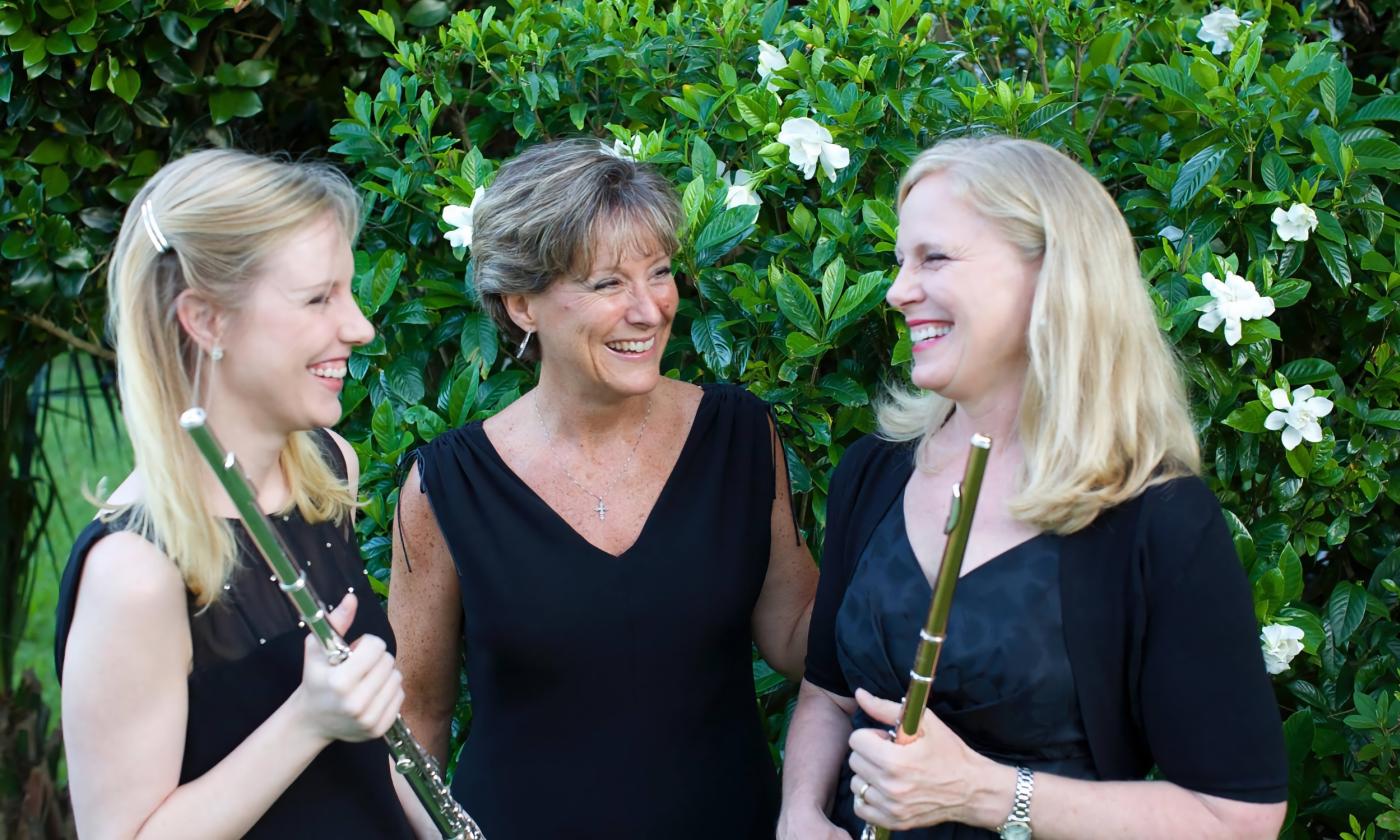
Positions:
{"x": 234, "y": 794}
{"x": 1072, "y": 809}
{"x": 816, "y": 747}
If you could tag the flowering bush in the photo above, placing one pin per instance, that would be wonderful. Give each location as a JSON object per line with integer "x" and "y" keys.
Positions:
{"x": 1239, "y": 145}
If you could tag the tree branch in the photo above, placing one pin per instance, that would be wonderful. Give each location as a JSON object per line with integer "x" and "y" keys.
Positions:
{"x": 59, "y": 332}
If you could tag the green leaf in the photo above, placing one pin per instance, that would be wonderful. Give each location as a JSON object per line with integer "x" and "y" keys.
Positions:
{"x": 1292, "y": 568}
{"x": 177, "y": 31}
{"x": 479, "y": 339}
{"x": 384, "y": 426}
{"x": 126, "y": 85}
{"x": 728, "y": 228}
{"x": 1195, "y": 174}
{"x": 405, "y": 378}
{"x": 426, "y": 13}
{"x": 1334, "y": 256}
{"x": 1276, "y": 174}
{"x": 1345, "y": 609}
{"x": 1249, "y": 418}
{"x": 1381, "y": 108}
{"x": 844, "y": 389}
{"x": 381, "y": 22}
{"x": 833, "y": 280}
{"x": 880, "y": 218}
{"x": 798, "y": 303}
{"x": 1305, "y": 371}
{"x": 1386, "y": 418}
{"x": 255, "y": 73}
{"x": 1300, "y": 460}
{"x": 711, "y": 337}
{"x": 224, "y": 105}
{"x": 1288, "y": 292}
{"x": 1328, "y": 145}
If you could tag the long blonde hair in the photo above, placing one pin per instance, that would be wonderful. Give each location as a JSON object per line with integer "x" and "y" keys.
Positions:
{"x": 1103, "y": 412}
{"x": 222, "y": 212}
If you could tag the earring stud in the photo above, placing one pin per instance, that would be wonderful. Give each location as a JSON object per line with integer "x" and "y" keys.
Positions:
{"x": 216, "y": 353}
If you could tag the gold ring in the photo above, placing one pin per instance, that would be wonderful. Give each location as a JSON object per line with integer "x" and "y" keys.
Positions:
{"x": 860, "y": 795}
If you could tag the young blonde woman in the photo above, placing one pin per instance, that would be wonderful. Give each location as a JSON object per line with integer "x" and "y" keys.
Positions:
{"x": 194, "y": 704}
{"x": 1102, "y": 624}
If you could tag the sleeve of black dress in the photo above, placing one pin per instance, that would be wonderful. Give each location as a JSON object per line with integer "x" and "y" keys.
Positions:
{"x": 1208, "y": 707}
{"x": 823, "y": 669}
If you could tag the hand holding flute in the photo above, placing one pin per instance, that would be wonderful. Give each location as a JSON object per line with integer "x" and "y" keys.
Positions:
{"x": 914, "y": 710}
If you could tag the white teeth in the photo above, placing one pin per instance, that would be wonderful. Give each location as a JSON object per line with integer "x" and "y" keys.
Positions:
{"x": 926, "y": 331}
{"x": 632, "y": 346}
{"x": 329, "y": 372}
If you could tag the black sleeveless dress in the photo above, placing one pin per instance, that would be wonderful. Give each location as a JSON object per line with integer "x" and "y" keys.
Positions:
{"x": 613, "y": 697}
{"x": 247, "y": 662}
{"x": 1003, "y": 682}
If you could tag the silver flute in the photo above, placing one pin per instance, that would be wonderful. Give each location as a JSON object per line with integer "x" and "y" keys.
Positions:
{"x": 410, "y": 759}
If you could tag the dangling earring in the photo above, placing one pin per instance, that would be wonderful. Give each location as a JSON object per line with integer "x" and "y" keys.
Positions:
{"x": 524, "y": 342}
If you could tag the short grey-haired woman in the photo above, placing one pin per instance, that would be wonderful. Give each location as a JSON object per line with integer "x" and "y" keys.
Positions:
{"x": 606, "y": 549}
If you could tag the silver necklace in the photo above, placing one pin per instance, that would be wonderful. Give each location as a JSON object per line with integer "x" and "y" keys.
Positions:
{"x": 602, "y": 507}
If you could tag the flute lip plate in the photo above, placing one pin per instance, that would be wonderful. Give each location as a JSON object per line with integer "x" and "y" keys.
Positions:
{"x": 193, "y": 418}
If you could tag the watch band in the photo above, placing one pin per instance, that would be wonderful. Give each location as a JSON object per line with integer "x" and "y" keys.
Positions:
{"x": 1018, "y": 823}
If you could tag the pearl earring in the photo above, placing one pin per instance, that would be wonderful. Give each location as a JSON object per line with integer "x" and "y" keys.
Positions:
{"x": 216, "y": 353}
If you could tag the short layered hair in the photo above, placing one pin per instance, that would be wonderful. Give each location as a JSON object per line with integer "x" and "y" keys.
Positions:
{"x": 549, "y": 211}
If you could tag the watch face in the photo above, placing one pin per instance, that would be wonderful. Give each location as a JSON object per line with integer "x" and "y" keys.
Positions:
{"x": 1015, "y": 831}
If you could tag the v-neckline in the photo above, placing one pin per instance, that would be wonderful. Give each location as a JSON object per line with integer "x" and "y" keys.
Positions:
{"x": 963, "y": 574}
{"x": 705, "y": 395}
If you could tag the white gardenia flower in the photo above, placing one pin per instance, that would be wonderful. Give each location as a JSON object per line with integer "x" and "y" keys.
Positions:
{"x": 626, "y": 151}
{"x": 741, "y": 186}
{"x": 1298, "y": 416}
{"x": 1217, "y": 27}
{"x": 1295, "y": 223}
{"x": 809, "y": 144}
{"x": 1232, "y": 302}
{"x": 461, "y": 220}
{"x": 770, "y": 61}
{"x": 1281, "y": 643}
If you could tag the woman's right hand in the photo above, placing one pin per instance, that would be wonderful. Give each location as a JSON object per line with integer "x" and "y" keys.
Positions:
{"x": 356, "y": 700}
{"x": 807, "y": 823}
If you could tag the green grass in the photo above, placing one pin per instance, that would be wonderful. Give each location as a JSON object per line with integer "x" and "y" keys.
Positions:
{"x": 81, "y": 454}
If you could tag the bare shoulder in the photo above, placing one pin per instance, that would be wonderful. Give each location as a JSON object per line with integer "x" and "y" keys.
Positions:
{"x": 417, "y": 524}
{"x": 352, "y": 460}
{"x": 683, "y": 397}
{"x": 130, "y": 595}
{"x": 124, "y": 571}
{"x": 128, "y": 492}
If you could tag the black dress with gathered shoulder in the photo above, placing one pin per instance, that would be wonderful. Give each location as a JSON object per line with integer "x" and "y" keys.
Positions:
{"x": 247, "y": 660}
{"x": 613, "y": 696}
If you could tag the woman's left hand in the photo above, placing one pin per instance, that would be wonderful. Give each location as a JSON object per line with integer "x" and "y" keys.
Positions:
{"x": 935, "y": 778}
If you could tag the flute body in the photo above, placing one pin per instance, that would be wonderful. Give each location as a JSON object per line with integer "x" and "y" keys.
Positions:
{"x": 935, "y": 629}
{"x": 413, "y": 762}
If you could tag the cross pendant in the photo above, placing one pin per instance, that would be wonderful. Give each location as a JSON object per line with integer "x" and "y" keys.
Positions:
{"x": 601, "y": 510}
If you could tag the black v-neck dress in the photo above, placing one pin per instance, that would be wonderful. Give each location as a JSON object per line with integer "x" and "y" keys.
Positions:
{"x": 613, "y": 697}
{"x": 1003, "y": 682}
{"x": 247, "y": 652}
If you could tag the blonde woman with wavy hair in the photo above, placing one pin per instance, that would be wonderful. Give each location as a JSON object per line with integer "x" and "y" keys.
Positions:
{"x": 1102, "y": 624}
{"x": 194, "y": 703}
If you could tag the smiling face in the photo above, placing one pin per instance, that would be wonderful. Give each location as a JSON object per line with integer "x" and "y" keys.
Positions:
{"x": 965, "y": 291}
{"x": 604, "y": 332}
{"x": 287, "y": 348}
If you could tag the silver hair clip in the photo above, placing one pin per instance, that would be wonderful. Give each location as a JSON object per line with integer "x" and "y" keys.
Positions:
{"x": 148, "y": 218}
